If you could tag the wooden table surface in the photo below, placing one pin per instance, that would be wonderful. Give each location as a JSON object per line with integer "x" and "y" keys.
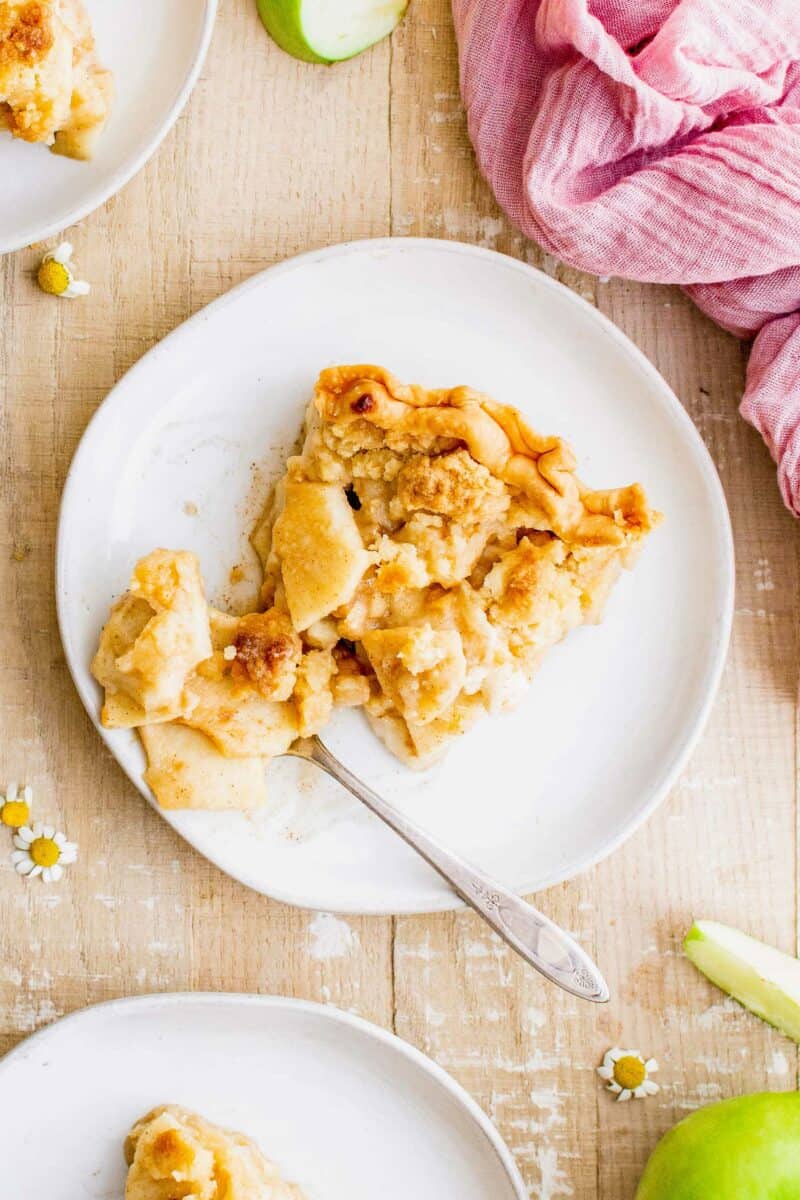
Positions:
{"x": 270, "y": 158}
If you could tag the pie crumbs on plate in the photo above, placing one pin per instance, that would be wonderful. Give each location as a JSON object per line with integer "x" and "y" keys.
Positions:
{"x": 52, "y": 86}
{"x": 420, "y": 555}
{"x": 173, "y": 1154}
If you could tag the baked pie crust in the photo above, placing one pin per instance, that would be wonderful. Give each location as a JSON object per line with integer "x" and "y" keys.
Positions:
{"x": 174, "y": 1154}
{"x": 52, "y": 86}
{"x": 421, "y": 554}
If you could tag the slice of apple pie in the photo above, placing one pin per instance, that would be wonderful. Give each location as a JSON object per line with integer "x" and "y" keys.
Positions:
{"x": 437, "y": 547}
{"x": 174, "y": 1154}
{"x": 420, "y": 555}
{"x": 52, "y": 86}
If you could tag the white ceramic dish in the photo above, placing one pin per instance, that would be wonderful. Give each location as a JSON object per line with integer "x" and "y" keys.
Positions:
{"x": 535, "y": 796}
{"x": 156, "y": 51}
{"x": 344, "y": 1108}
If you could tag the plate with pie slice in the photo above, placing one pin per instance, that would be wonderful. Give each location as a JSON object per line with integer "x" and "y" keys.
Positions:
{"x": 88, "y": 90}
{"x": 419, "y": 499}
{"x": 277, "y": 1098}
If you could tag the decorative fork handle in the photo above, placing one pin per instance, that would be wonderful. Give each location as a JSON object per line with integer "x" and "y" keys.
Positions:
{"x": 534, "y": 937}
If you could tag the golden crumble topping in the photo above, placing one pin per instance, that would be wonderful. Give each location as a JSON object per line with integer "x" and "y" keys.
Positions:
{"x": 25, "y": 34}
{"x": 268, "y": 653}
{"x": 447, "y": 484}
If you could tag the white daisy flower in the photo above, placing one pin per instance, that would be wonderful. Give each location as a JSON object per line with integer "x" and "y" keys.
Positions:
{"x": 15, "y": 806}
{"x": 627, "y": 1074}
{"x": 42, "y": 851}
{"x": 55, "y": 275}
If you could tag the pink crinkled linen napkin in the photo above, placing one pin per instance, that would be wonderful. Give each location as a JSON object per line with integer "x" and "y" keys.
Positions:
{"x": 658, "y": 140}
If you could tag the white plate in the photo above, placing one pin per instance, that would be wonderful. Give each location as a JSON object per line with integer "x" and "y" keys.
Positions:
{"x": 344, "y": 1108}
{"x": 534, "y": 796}
{"x": 156, "y": 51}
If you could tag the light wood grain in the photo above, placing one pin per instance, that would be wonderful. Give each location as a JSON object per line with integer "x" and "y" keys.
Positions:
{"x": 270, "y": 158}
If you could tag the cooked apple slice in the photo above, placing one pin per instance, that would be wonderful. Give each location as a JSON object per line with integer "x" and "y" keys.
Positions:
{"x": 156, "y": 634}
{"x": 763, "y": 979}
{"x": 185, "y": 770}
{"x": 237, "y": 719}
{"x": 326, "y": 31}
{"x": 321, "y": 551}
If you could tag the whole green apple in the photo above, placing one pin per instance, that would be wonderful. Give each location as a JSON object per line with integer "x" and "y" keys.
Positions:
{"x": 747, "y": 1148}
{"x": 326, "y": 31}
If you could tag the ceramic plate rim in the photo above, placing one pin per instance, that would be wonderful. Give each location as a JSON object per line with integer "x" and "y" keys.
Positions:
{"x": 662, "y": 394}
{"x": 325, "y": 1011}
{"x": 124, "y": 174}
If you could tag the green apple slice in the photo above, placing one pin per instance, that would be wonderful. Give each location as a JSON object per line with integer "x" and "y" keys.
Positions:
{"x": 763, "y": 979}
{"x": 326, "y": 31}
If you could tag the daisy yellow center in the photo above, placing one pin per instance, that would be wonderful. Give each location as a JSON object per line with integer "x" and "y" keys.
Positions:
{"x": 44, "y": 852}
{"x": 15, "y": 814}
{"x": 629, "y": 1072}
{"x": 53, "y": 277}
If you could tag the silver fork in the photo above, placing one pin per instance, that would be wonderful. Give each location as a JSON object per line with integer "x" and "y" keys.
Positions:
{"x": 536, "y": 938}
